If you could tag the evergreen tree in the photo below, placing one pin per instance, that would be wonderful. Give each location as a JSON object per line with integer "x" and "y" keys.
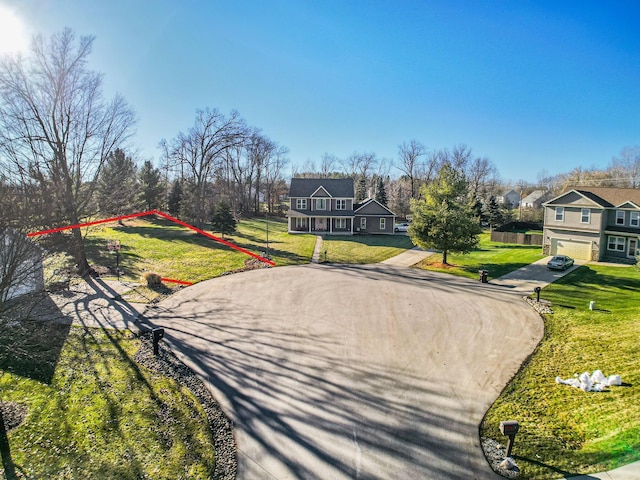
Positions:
{"x": 175, "y": 197}
{"x": 361, "y": 189}
{"x": 381, "y": 192}
{"x": 151, "y": 187}
{"x": 222, "y": 220}
{"x": 493, "y": 213}
{"x": 443, "y": 217}
{"x": 117, "y": 185}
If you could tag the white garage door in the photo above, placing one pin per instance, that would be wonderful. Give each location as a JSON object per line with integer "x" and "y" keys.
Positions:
{"x": 579, "y": 250}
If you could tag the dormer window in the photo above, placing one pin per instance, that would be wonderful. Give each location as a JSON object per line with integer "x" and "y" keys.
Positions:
{"x": 301, "y": 203}
{"x": 620, "y": 217}
{"x": 321, "y": 203}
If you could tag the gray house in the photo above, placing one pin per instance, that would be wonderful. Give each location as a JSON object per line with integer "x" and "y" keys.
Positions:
{"x": 535, "y": 199}
{"x": 593, "y": 224}
{"x": 327, "y": 206}
{"x": 510, "y": 199}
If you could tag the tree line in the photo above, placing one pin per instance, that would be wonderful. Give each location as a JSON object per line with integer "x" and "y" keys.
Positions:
{"x": 63, "y": 156}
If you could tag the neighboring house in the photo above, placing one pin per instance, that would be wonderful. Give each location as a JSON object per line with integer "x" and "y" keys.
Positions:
{"x": 21, "y": 270}
{"x": 593, "y": 224}
{"x": 535, "y": 199}
{"x": 510, "y": 199}
{"x": 327, "y": 206}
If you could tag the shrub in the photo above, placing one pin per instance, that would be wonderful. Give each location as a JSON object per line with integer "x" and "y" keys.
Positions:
{"x": 151, "y": 279}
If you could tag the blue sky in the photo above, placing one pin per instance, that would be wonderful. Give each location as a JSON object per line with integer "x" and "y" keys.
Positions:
{"x": 533, "y": 86}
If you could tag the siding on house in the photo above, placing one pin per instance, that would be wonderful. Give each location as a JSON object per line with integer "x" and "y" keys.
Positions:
{"x": 590, "y": 216}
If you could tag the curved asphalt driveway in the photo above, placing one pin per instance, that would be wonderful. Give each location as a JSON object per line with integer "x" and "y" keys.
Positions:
{"x": 340, "y": 372}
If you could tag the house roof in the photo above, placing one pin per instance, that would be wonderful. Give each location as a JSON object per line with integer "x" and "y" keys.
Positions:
{"x": 371, "y": 207}
{"x": 533, "y": 196}
{"x": 607, "y": 196}
{"x": 336, "y": 187}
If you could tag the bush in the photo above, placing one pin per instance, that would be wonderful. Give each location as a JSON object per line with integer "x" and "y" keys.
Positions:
{"x": 151, "y": 279}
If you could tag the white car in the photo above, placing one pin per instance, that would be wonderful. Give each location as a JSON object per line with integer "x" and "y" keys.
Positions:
{"x": 401, "y": 227}
{"x": 560, "y": 262}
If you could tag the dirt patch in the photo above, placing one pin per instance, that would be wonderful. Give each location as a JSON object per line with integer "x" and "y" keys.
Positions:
{"x": 13, "y": 414}
{"x": 249, "y": 264}
{"x": 445, "y": 266}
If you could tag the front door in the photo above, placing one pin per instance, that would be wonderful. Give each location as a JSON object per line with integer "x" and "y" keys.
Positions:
{"x": 633, "y": 247}
{"x": 321, "y": 224}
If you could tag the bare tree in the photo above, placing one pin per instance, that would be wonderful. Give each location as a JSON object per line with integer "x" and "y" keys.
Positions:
{"x": 328, "y": 164}
{"x": 628, "y": 165}
{"x": 478, "y": 172}
{"x": 409, "y": 155}
{"x": 273, "y": 175}
{"x": 55, "y": 126}
{"x": 200, "y": 152}
{"x": 459, "y": 157}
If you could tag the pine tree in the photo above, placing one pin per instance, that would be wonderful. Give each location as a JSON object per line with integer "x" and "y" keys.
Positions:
{"x": 117, "y": 185}
{"x": 222, "y": 220}
{"x": 493, "y": 213}
{"x": 361, "y": 189}
{"x": 175, "y": 197}
{"x": 381, "y": 192}
{"x": 443, "y": 218}
{"x": 151, "y": 187}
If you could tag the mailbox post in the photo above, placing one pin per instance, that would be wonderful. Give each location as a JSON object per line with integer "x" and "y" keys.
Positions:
{"x": 537, "y": 290}
{"x": 509, "y": 428}
{"x": 158, "y": 334}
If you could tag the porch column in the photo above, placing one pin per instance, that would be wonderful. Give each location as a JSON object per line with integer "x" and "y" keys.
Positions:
{"x": 330, "y": 225}
{"x": 309, "y": 224}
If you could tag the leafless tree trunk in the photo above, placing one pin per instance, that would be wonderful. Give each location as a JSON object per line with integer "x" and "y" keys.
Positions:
{"x": 55, "y": 126}
{"x": 628, "y": 163}
{"x": 328, "y": 163}
{"x": 410, "y": 154}
{"x": 201, "y": 151}
{"x": 478, "y": 172}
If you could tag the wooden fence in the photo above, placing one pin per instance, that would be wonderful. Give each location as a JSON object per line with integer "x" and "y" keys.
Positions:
{"x": 517, "y": 238}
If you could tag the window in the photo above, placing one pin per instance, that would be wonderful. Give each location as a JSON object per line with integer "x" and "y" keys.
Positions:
{"x": 301, "y": 203}
{"x": 341, "y": 204}
{"x": 321, "y": 203}
{"x": 559, "y": 214}
{"x": 620, "y": 217}
{"x": 341, "y": 223}
{"x": 616, "y": 243}
{"x": 382, "y": 223}
{"x": 634, "y": 219}
{"x": 301, "y": 223}
{"x": 586, "y": 215}
{"x": 363, "y": 223}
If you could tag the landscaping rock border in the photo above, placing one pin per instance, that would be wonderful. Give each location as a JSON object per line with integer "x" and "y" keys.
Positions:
{"x": 495, "y": 453}
{"x": 542, "y": 307}
{"x": 166, "y": 363}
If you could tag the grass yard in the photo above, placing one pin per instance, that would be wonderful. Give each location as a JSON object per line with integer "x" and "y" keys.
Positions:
{"x": 563, "y": 429}
{"x": 362, "y": 249}
{"x": 175, "y": 252}
{"x": 498, "y": 258}
{"x": 93, "y": 412}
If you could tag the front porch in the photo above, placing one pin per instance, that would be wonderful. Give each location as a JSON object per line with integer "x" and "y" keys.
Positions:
{"x": 321, "y": 225}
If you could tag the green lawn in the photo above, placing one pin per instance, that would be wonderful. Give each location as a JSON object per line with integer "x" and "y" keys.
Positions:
{"x": 362, "y": 249}
{"x": 563, "y": 429}
{"x": 175, "y": 252}
{"x": 498, "y": 258}
{"x": 94, "y": 413}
